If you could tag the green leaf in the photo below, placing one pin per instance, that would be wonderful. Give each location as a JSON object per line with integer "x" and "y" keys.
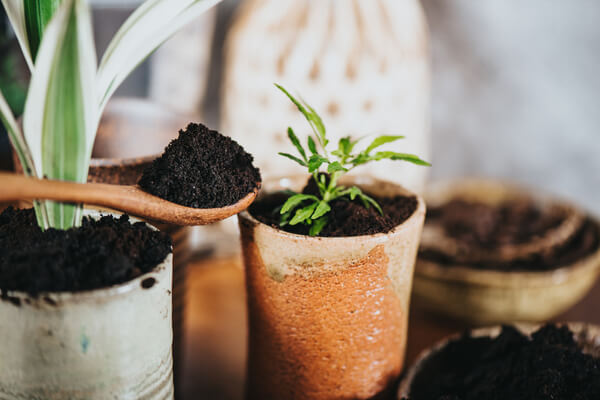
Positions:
{"x": 400, "y": 157}
{"x": 294, "y": 158}
{"x": 16, "y": 137}
{"x": 38, "y": 14}
{"x": 314, "y": 120}
{"x": 315, "y": 161}
{"x": 147, "y": 28}
{"x": 336, "y": 166}
{"x": 318, "y": 121}
{"x": 15, "y": 9}
{"x": 360, "y": 159}
{"x": 318, "y": 226}
{"x": 354, "y": 191}
{"x": 295, "y": 201}
{"x": 367, "y": 200}
{"x": 17, "y": 140}
{"x": 312, "y": 146}
{"x": 296, "y": 142}
{"x": 303, "y": 214}
{"x": 60, "y": 119}
{"x": 322, "y": 209}
{"x": 380, "y": 141}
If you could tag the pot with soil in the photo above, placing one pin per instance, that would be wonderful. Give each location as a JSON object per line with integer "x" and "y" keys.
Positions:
{"x": 132, "y": 134}
{"x": 493, "y": 252}
{"x": 89, "y": 309}
{"x": 328, "y": 314}
{"x": 559, "y": 362}
{"x": 329, "y": 262}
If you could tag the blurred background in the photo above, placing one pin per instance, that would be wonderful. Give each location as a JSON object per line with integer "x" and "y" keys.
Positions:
{"x": 513, "y": 92}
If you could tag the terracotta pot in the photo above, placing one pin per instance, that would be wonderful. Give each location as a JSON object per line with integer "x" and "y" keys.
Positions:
{"x": 481, "y": 296}
{"x": 132, "y": 133}
{"x": 588, "y": 336}
{"x": 327, "y": 316}
{"x": 106, "y": 343}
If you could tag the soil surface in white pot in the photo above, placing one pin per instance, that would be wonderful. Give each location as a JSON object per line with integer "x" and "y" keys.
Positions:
{"x": 481, "y": 227}
{"x": 346, "y": 218}
{"x": 548, "y": 365}
{"x": 101, "y": 253}
{"x": 201, "y": 169}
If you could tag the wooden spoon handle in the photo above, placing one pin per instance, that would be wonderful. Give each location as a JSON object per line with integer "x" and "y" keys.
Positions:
{"x": 129, "y": 199}
{"x": 19, "y": 187}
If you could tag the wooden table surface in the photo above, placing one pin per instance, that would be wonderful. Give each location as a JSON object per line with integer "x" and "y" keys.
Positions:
{"x": 215, "y": 329}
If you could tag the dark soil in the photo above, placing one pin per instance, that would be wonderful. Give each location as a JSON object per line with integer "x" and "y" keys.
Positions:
{"x": 548, "y": 365}
{"x": 485, "y": 227}
{"x": 100, "y": 253}
{"x": 201, "y": 169}
{"x": 346, "y": 218}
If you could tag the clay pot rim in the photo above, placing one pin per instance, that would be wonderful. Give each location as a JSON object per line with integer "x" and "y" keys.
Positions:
{"x": 57, "y": 298}
{"x": 461, "y": 273}
{"x": 497, "y": 191}
{"x": 359, "y": 180}
{"x": 590, "y": 332}
{"x": 122, "y": 162}
{"x": 493, "y": 278}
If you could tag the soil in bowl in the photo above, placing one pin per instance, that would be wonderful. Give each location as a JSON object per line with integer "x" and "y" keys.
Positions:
{"x": 201, "y": 169}
{"x": 548, "y": 365}
{"x": 101, "y": 253}
{"x": 483, "y": 226}
{"x": 346, "y": 218}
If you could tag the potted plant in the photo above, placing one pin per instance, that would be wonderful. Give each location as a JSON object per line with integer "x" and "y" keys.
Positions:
{"x": 86, "y": 332}
{"x": 329, "y": 273}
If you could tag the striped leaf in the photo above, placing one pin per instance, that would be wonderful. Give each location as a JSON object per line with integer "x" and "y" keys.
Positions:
{"x": 37, "y": 16}
{"x": 15, "y": 9}
{"x": 145, "y": 30}
{"x": 61, "y": 113}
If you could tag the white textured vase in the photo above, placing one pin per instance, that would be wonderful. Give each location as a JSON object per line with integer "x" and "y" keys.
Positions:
{"x": 363, "y": 64}
{"x": 111, "y": 343}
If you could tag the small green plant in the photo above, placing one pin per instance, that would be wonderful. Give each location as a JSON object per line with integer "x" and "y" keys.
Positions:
{"x": 327, "y": 167}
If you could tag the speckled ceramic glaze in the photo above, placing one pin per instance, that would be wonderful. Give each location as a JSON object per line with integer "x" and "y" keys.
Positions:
{"x": 327, "y": 316}
{"x": 588, "y": 336}
{"x": 112, "y": 343}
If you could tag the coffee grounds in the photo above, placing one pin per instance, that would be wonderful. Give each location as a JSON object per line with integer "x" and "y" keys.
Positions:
{"x": 346, "y": 218}
{"x": 201, "y": 169}
{"x": 99, "y": 254}
{"x": 547, "y": 365}
{"x": 513, "y": 223}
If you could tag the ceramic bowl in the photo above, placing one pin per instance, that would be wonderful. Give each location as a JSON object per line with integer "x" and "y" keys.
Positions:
{"x": 483, "y": 296}
{"x": 587, "y": 335}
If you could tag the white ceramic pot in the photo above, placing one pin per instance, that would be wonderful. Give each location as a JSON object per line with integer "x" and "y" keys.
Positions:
{"x": 327, "y": 315}
{"x": 111, "y": 343}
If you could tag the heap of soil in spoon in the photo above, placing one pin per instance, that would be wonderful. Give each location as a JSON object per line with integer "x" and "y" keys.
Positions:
{"x": 201, "y": 169}
{"x": 346, "y": 218}
{"x": 486, "y": 227}
{"x": 100, "y": 253}
{"x": 547, "y": 365}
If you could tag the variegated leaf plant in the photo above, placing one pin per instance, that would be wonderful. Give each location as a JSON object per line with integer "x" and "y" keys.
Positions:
{"x": 68, "y": 90}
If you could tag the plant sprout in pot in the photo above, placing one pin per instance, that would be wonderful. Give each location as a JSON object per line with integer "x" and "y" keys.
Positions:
{"x": 88, "y": 297}
{"x": 328, "y": 273}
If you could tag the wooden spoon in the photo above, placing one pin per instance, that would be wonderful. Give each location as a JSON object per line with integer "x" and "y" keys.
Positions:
{"x": 129, "y": 199}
